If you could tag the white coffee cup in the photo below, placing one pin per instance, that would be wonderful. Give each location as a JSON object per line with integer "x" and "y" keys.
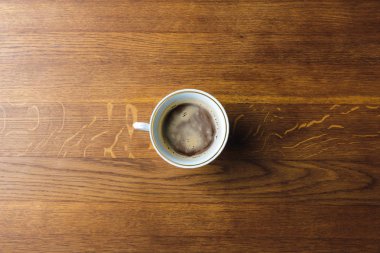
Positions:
{"x": 193, "y": 96}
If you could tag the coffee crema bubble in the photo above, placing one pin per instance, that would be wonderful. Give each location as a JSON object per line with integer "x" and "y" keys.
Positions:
{"x": 188, "y": 129}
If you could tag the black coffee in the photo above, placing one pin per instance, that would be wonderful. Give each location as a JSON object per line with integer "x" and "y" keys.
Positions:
{"x": 188, "y": 129}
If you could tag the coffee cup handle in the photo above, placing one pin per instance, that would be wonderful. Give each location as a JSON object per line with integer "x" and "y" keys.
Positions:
{"x": 141, "y": 126}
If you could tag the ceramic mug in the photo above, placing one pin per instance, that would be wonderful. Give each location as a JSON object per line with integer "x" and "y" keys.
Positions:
{"x": 192, "y": 96}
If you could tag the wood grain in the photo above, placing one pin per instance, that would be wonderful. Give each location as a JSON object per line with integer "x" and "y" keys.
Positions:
{"x": 145, "y": 180}
{"x": 289, "y": 17}
{"x": 299, "y": 81}
{"x": 108, "y": 66}
{"x": 143, "y": 226}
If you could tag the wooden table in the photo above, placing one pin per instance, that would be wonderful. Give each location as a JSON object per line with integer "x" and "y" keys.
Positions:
{"x": 300, "y": 81}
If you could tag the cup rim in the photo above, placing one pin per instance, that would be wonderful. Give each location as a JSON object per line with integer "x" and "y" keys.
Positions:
{"x": 221, "y": 147}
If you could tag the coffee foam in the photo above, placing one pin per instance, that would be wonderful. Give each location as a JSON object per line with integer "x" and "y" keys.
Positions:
{"x": 188, "y": 129}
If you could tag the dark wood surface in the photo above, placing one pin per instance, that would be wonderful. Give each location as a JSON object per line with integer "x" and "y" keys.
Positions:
{"x": 300, "y": 81}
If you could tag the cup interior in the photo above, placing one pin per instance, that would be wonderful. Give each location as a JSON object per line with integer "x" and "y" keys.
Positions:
{"x": 204, "y": 100}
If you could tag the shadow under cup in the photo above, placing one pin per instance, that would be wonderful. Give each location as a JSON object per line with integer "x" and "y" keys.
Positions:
{"x": 205, "y": 101}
